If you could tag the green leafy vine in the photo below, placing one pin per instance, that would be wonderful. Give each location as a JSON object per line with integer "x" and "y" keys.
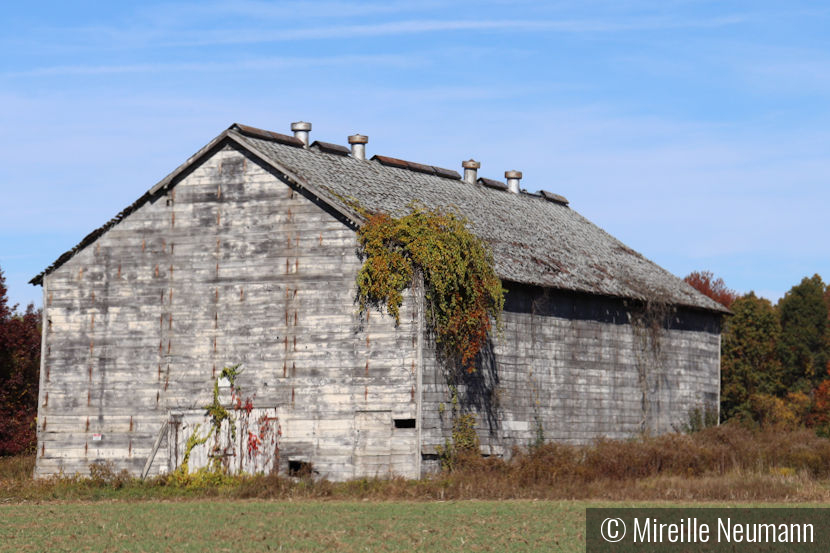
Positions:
{"x": 463, "y": 293}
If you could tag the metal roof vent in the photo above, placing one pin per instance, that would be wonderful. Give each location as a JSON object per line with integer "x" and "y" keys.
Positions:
{"x": 513, "y": 178}
{"x": 301, "y": 129}
{"x": 471, "y": 167}
{"x": 358, "y": 142}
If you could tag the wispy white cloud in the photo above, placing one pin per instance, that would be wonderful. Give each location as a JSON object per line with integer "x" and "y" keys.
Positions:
{"x": 259, "y": 64}
{"x": 422, "y": 26}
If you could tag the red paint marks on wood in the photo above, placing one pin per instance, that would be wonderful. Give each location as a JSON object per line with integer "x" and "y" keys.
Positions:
{"x": 216, "y": 320}
{"x": 86, "y": 448}
{"x": 88, "y": 398}
{"x": 131, "y": 423}
{"x": 365, "y": 393}
{"x": 367, "y": 367}
{"x": 296, "y": 264}
{"x": 286, "y": 343}
{"x": 91, "y": 346}
{"x": 46, "y": 400}
{"x": 320, "y": 239}
{"x": 171, "y": 270}
{"x": 166, "y": 382}
{"x": 367, "y": 340}
{"x": 168, "y": 347}
{"x": 295, "y": 318}
{"x": 119, "y": 270}
{"x": 89, "y": 371}
{"x": 43, "y": 450}
{"x": 156, "y": 272}
{"x": 293, "y": 369}
{"x": 43, "y": 426}
{"x": 284, "y": 368}
{"x": 170, "y": 297}
{"x": 87, "y": 424}
{"x": 214, "y": 344}
{"x": 412, "y": 393}
{"x": 292, "y": 396}
{"x": 130, "y": 449}
{"x": 158, "y": 376}
{"x": 287, "y": 265}
{"x": 295, "y": 343}
{"x": 216, "y": 292}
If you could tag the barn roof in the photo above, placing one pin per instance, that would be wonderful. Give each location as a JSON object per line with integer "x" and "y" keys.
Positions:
{"x": 536, "y": 239}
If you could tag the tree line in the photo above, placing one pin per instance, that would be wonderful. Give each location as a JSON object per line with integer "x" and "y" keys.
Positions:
{"x": 775, "y": 359}
{"x": 19, "y": 372}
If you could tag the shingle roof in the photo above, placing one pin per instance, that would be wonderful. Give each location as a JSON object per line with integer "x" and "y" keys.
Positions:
{"x": 536, "y": 239}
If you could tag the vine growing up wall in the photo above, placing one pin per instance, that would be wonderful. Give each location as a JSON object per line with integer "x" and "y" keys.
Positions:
{"x": 463, "y": 294}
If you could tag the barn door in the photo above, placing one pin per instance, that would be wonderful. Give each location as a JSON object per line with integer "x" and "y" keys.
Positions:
{"x": 250, "y": 445}
{"x": 373, "y": 435}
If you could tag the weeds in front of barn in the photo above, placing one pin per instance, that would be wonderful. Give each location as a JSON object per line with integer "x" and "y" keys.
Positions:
{"x": 725, "y": 463}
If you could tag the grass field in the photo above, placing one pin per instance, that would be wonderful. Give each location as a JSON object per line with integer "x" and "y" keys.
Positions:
{"x": 535, "y": 501}
{"x": 241, "y": 526}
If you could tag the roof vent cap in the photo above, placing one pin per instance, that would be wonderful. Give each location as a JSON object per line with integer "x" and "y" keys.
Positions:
{"x": 301, "y": 129}
{"x": 471, "y": 168}
{"x": 513, "y": 178}
{"x": 358, "y": 142}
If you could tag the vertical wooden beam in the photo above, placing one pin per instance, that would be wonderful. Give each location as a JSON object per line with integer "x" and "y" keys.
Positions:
{"x": 44, "y": 331}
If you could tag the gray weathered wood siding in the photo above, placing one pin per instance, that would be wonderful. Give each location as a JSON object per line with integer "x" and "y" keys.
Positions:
{"x": 231, "y": 265}
{"x": 574, "y": 370}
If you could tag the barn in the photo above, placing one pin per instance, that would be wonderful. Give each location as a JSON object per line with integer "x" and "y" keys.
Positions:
{"x": 213, "y": 321}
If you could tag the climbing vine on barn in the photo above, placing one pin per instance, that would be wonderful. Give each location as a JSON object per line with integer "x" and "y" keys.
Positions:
{"x": 463, "y": 294}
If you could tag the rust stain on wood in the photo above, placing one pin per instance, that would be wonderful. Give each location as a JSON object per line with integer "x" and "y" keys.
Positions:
{"x": 156, "y": 270}
{"x": 119, "y": 270}
{"x": 87, "y": 424}
{"x": 367, "y": 367}
{"x": 131, "y": 423}
{"x": 284, "y": 368}
{"x": 46, "y": 400}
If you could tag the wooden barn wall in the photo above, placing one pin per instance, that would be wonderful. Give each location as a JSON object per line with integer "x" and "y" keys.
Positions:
{"x": 571, "y": 369}
{"x": 230, "y": 266}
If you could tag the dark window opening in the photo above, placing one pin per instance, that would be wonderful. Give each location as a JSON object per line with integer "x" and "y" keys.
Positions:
{"x": 299, "y": 468}
{"x": 429, "y": 456}
{"x": 404, "y": 423}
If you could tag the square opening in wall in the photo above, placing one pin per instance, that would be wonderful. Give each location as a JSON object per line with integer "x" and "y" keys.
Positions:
{"x": 299, "y": 468}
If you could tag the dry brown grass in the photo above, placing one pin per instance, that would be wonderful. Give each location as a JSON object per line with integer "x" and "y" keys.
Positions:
{"x": 726, "y": 463}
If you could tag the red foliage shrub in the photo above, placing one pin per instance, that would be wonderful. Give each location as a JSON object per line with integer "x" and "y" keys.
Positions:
{"x": 19, "y": 371}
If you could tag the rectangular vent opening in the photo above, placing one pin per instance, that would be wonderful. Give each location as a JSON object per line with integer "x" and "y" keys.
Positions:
{"x": 404, "y": 423}
{"x": 299, "y": 468}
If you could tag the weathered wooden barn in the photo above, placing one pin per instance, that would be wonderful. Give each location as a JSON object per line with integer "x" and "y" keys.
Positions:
{"x": 247, "y": 254}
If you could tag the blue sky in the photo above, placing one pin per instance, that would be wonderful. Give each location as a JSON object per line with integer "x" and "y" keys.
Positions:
{"x": 696, "y": 132}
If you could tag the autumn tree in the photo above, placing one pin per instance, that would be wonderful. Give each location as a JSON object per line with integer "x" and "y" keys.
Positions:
{"x": 19, "y": 370}
{"x": 706, "y": 283}
{"x": 804, "y": 350}
{"x": 749, "y": 364}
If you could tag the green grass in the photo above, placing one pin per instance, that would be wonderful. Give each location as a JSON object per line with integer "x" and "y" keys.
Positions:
{"x": 308, "y": 525}
{"x": 240, "y": 526}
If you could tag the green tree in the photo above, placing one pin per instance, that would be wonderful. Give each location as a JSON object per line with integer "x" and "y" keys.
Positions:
{"x": 749, "y": 362}
{"x": 803, "y": 350}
